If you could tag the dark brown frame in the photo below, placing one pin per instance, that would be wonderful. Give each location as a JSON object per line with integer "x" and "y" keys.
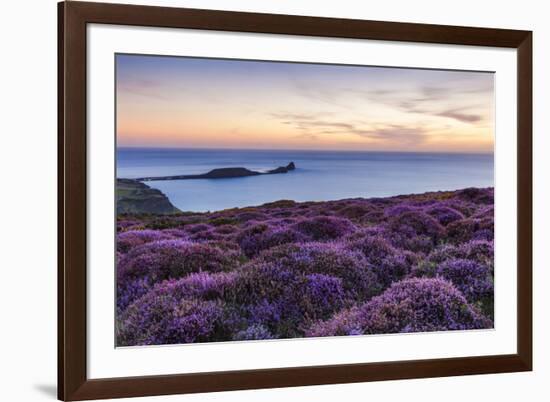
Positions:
{"x": 73, "y": 383}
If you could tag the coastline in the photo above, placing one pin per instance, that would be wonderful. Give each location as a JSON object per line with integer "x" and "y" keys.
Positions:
{"x": 318, "y": 175}
{"x": 147, "y": 196}
{"x": 133, "y": 196}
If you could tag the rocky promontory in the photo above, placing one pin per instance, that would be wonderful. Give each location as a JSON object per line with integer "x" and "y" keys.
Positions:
{"x": 222, "y": 173}
{"x": 134, "y": 197}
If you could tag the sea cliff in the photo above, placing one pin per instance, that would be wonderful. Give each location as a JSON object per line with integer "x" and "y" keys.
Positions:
{"x": 134, "y": 197}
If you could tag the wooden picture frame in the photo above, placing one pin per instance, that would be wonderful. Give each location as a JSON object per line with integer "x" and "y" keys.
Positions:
{"x": 73, "y": 382}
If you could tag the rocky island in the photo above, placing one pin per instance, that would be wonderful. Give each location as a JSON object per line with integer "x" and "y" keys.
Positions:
{"x": 222, "y": 173}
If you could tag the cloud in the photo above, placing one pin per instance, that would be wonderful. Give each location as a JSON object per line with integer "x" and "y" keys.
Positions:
{"x": 296, "y": 116}
{"x": 317, "y": 93}
{"x": 315, "y": 125}
{"x": 422, "y": 100}
{"x": 446, "y": 99}
{"x": 462, "y": 117}
{"x": 429, "y": 100}
{"x": 148, "y": 88}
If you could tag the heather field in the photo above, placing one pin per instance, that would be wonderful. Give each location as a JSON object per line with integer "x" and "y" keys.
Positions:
{"x": 411, "y": 263}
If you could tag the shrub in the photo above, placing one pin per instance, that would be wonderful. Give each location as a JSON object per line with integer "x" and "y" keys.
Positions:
{"x": 253, "y": 332}
{"x": 373, "y": 217}
{"x": 471, "y": 278}
{"x": 226, "y": 229}
{"x": 200, "y": 286}
{"x": 280, "y": 204}
{"x": 207, "y": 235}
{"x": 406, "y": 239}
{"x": 412, "y": 305}
{"x": 414, "y": 223}
{"x": 197, "y": 228}
{"x": 132, "y": 238}
{"x": 444, "y": 215}
{"x": 263, "y": 236}
{"x": 283, "y": 300}
{"x": 222, "y": 220}
{"x": 477, "y": 250}
{"x": 162, "y": 222}
{"x": 477, "y": 195}
{"x": 388, "y": 263}
{"x": 251, "y": 216}
{"x": 166, "y": 259}
{"x": 126, "y": 224}
{"x": 321, "y": 296}
{"x": 157, "y": 319}
{"x": 392, "y": 268}
{"x": 358, "y": 279}
{"x": 374, "y": 247}
{"x": 470, "y": 229}
{"x": 130, "y": 290}
{"x": 283, "y": 213}
{"x": 355, "y": 211}
{"x": 324, "y": 227}
{"x": 483, "y": 234}
{"x": 229, "y": 247}
{"x": 176, "y": 233}
{"x": 400, "y": 209}
{"x": 485, "y": 212}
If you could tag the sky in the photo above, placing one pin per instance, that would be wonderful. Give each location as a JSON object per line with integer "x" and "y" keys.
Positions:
{"x": 183, "y": 102}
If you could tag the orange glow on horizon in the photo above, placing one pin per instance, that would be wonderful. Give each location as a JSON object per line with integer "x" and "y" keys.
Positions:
{"x": 197, "y": 103}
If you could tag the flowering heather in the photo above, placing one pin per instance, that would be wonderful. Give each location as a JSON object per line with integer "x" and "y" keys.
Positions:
{"x": 130, "y": 290}
{"x": 411, "y": 305}
{"x": 166, "y": 259}
{"x": 262, "y": 236}
{"x": 477, "y": 250}
{"x": 358, "y": 278}
{"x": 388, "y": 263}
{"x": 253, "y": 332}
{"x": 444, "y": 215}
{"x": 416, "y": 223}
{"x": 422, "y": 262}
{"x": 470, "y": 229}
{"x": 324, "y": 227}
{"x": 356, "y": 211}
{"x": 471, "y": 278}
{"x": 133, "y": 238}
{"x": 156, "y": 320}
{"x": 284, "y": 300}
{"x": 201, "y": 285}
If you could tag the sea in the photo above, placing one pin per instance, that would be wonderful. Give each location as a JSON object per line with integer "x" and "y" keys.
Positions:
{"x": 319, "y": 175}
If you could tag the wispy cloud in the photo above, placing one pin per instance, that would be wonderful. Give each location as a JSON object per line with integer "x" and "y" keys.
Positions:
{"x": 457, "y": 114}
{"x": 429, "y": 100}
{"x": 313, "y": 126}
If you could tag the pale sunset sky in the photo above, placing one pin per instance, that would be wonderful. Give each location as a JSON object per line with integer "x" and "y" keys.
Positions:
{"x": 184, "y": 102}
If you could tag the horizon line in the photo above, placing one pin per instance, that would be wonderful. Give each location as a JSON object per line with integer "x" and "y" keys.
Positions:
{"x": 301, "y": 150}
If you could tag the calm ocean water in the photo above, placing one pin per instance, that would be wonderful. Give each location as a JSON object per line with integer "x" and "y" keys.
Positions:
{"x": 319, "y": 175}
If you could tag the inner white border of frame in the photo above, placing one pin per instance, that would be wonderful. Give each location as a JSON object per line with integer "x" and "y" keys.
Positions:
{"x": 104, "y": 360}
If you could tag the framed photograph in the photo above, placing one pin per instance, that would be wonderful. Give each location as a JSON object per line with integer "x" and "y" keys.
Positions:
{"x": 253, "y": 200}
